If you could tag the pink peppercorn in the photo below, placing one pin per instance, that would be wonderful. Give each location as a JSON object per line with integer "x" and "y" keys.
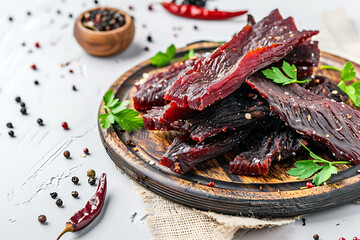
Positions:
{"x": 341, "y": 238}
{"x": 34, "y": 67}
{"x": 309, "y": 185}
{"x": 86, "y": 151}
{"x": 355, "y": 238}
{"x": 211, "y": 184}
{"x": 65, "y": 125}
{"x": 37, "y": 44}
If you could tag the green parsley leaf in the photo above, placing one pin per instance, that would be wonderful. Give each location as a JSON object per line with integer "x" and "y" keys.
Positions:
{"x": 277, "y": 76}
{"x": 307, "y": 168}
{"x": 117, "y": 112}
{"x": 189, "y": 54}
{"x": 347, "y": 74}
{"x": 160, "y": 59}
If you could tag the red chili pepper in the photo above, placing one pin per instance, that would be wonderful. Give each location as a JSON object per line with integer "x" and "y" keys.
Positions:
{"x": 91, "y": 210}
{"x": 193, "y": 11}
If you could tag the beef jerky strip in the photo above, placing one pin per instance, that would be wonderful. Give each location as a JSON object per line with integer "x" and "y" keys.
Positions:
{"x": 222, "y": 72}
{"x": 332, "y": 123}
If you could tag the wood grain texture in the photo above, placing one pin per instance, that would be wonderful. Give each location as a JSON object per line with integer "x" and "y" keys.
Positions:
{"x": 105, "y": 43}
{"x": 279, "y": 195}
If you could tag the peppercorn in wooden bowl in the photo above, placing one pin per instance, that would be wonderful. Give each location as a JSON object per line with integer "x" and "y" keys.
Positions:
{"x": 104, "y": 31}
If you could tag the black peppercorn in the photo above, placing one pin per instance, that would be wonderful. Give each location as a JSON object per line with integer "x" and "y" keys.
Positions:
{"x": 59, "y": 202}
{"x": 58, "y": 12}
{"x": 42, "y": 218}
{"x": 23, "y": 110}
{"x": 74, "y": 88}
{"x": 23, "y": 44}
{"x": 75, "y": 180}
{"x": 36, "y": 82}
{"x": 75, "y": 194}
{"x": 195, "y": 27}
{"x": 92, "y": 181}
{"x": 67, "y": 154}
{"x": 22, "y": 104}
{"x": 28, "y": 13}
{"x": 146, "y": 48}
{"x": 96, "y": 2}
{"x": 11, "y": 19}
{"x": 70, "y": 15}
{"x": 9, "y": 125}
{"x": 316, "y": 237}
{"x": 40, "y": 122}
{"x": 149, "y": 38}
{"x": 18, "y": 99}
{"x": 53, "y": 195}
{"x": 11, "y": 133}
{"x": 304, "y": 221}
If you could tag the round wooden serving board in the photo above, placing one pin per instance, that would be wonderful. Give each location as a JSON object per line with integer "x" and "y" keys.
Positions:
{"x": 276, "y": 195}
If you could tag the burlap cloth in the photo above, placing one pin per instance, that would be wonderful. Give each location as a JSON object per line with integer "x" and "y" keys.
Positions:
{"x": 171, "y": 221}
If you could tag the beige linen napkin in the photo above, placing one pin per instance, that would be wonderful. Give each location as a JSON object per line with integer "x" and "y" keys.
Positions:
{"x": 169, "y": 220}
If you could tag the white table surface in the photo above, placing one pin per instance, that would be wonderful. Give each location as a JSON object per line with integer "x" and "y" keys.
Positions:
{"x": 32, "y": 163}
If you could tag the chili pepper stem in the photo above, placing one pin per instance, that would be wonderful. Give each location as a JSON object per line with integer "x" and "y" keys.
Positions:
{"x": 68, "y": 228}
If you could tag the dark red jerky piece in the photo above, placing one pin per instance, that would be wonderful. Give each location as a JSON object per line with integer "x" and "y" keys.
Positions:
{"x": 241, "y": 108}
{"x": 160, "y": 118}
{"x": 306, "y": 53}
{"x": 222, "y": 72}
{"x": 153, "y": 120}
{"x": 326, "y": 121}
{"x": 184, "y": 153}
{"x": 324, "y": 86}
{"x": 280, "y": 143}
{"x": 151, "y": 92}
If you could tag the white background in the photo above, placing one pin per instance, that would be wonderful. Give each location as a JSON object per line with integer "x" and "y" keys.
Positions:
{"x": 32, "y": 164}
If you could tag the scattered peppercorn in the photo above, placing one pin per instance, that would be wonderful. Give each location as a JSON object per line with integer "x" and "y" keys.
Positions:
{"x": 40, "y": 121}
{"x": 58, "y": 12}
{"x": 67, "y": 154}
{"x": 341, "y": 238}
{"x": 96, "y": 2}
{"x": 355, "y": 238}
{"x": 22, "y": 104}
{"x": 53, "y": 195}
{"x": 316, "y": 237}
{"x": 9, "y": 125}
{"x": 146, "y": 48}
{"x": 149, "y": 38}
{"x": 130, "y": 143}
{"x": 59, "y": 202}
{"x": 37, "y": 45}
{"x": 211, "y": 184}
{"x": 70, "y": 15}
{"x": 309, "y": 185}
{"x": 18, "y": 99}
{"x": 71, "y": 71}
{"x": 74, "y": 88}
{"x": 42, "y": 218}
{"x": 75, "y": 194}
{"x": 33, "y": 66}
{"x": 23, "y": 110}
{"x": 65, "y": 125}
{"x": 150, "y": 7}
{"x": 28, "y": 13}
{"x": 91, "y": 173}
{"x": 92, "y": 181}
{"x": 11, "y": 133}
{"x": 175, "y": 35}
{"x": 23, "y": 44}
{"x": 131, "y": 7}
{"x": 86, "y": 151}
{"x": 36, "y": 82}
{"x": 303, "y": 220}
{"x": 75, "y": 180}
{"x": 11, "y": 19}
{"x": 195, "y": 27}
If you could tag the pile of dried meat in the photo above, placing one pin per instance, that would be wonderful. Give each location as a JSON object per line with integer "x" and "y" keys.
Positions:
{"x": 218, "y": 101}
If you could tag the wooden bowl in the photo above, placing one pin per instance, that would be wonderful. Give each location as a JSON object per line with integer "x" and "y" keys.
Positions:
{"x": 105, "y": 43}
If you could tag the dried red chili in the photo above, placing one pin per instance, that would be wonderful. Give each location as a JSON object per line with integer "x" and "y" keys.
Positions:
{"x": 193, "y": 11}
{"x": 93, "y": 207}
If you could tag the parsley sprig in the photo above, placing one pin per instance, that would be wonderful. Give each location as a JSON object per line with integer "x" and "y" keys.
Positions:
{"x": 277, "y": 76}
{"x": 307, "y": 168}
{"x": 347, "y": 74}
{"x": 118, "y": 112}
{"x": 160, "y": 59}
